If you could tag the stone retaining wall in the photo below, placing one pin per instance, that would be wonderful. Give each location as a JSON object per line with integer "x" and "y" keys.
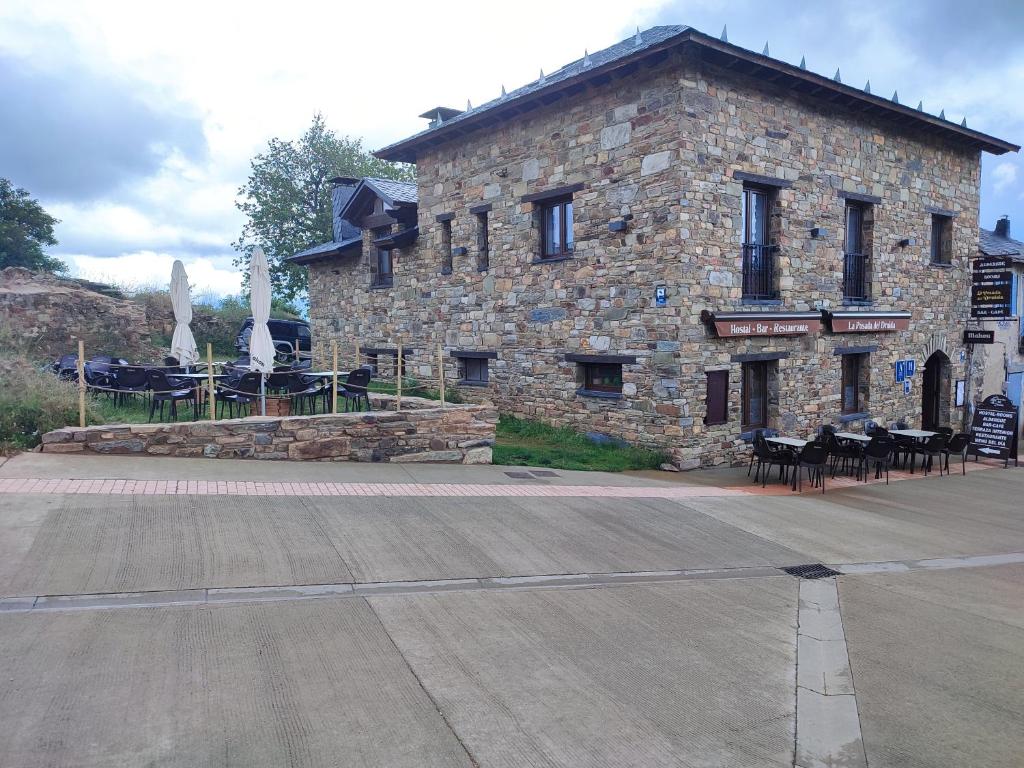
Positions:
{"x": 421, "y": 431}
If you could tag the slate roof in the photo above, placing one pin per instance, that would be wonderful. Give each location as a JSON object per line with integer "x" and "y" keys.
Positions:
{"x": 394, "y": 192}
{"x": 657, "y": 39}
{"x": 991, "y": 244}
{"x": 325, "y": 249}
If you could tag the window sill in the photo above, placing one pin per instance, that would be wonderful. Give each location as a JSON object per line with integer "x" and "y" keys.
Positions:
{"x": 470, "y": 383}
{"x": 552, "y": 260}
{"x": 846, "y": 418}
{"x": 858, "y": 303}
{"x": 599, "y": 394}
{"x": 762, "y": 302}
{"x": 381, "y": 286}
{"x": 940, "y": 265}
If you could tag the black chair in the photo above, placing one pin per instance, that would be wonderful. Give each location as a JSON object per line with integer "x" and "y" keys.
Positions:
{"x": 872, "y": 428}
{"x": 958, "y": 444}
{"x": 129, "y": 382}
{"x": 947, "y": 431}
{"x": 849, "y": 453}
{"x": 355, "y": 391}
{"x": 238, "y": 392}
{"x": 304, "y": 389}
{"x": 931, "y": 448}
{"x": 165, "y": 391}
{"x": 879, "y": 453}
{"x": 814, "y": 458}
{"x": 768, "y": 457}
{"x": 66, "y": 367}
{"x": 826, "y": 429}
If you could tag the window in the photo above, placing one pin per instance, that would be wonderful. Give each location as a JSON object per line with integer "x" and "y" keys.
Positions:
{"x": 942, "y": 239}
{"x": 556, "y": 229}
{"x": 758, "y": 259}
{"x": 602, "y": 377}
{"x": 446, "y": 247}
{"x": 856, "y": 278}
{"x": 851, "y": 384}
{"x": 755, "y": 395}
{"x": 473, "y": 370}
{"x": 371, "y": 363}
{"x": 482, "y": 241}
{"x": 385, "y": 272}
{"x": 717, "y": 400}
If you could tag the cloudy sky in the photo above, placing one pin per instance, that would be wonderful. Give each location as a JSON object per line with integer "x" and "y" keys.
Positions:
{"x": 134, "y": 122}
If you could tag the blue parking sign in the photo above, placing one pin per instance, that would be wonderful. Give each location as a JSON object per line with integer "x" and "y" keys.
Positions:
{"x": 906, "y": 387}
{"x": 901, "y": 370}
{"x": 910, "y": 369}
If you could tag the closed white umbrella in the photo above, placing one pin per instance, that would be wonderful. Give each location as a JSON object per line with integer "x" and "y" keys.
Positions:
{"x": 183, "y": 343}
{"x": 261, "y": 345}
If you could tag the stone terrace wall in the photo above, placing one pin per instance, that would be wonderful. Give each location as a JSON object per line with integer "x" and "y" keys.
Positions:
{"x": 422, "y": 432}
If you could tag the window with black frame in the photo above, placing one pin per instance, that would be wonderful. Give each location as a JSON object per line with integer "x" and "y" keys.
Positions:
{"x": 385, "y": 269}
{"x": 602, "y": 377}
{"x": 856, "y": 279}
{"x": 942, "y": 239}
{"x": 556, "y": 228}
{"x": 755, "y": 395}
{"x": 483, "y": 245}
{"x": 758, "y": 253}
{"x": 854, "y": 383}
{"x": 473, "y": 370}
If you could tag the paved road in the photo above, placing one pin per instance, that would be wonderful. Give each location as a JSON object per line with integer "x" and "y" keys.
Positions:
{"x": 615, "y": 621}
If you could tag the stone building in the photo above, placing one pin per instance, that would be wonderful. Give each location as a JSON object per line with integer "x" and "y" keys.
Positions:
{"x": 674, "y": 241}
{"x": 1000, "y": 359}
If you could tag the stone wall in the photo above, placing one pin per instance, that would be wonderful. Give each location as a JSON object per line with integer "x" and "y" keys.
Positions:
{"x": 48, "y": 315}
{"x": 421, "y": 432}
{"x": 663, "y": 148}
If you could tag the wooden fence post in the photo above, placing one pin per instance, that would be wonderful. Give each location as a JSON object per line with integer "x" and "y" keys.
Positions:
{"x": 440, "y": 368}
{"x": 81, "y": 383}
{"x": 398, "y": 378}
{"x": 211, "y": 393}
{"x": 357, "y": 353}
{"x": 334, "y": 376}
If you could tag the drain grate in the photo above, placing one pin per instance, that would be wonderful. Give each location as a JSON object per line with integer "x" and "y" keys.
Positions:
{"x": 520, "y": 475}
{"x": 812, "y": 571}
{"x": 543, "y": 473}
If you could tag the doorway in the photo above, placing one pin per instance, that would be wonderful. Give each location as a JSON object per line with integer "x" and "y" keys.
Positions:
{"x": 935, "y": 392}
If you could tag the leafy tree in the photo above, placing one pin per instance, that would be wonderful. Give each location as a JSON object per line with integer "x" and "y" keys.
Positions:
{"x": 287, "y": 198}
{"x": 24, "y": 229}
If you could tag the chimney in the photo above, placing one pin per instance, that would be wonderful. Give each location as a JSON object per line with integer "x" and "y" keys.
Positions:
{"x": 1003, "y": 227}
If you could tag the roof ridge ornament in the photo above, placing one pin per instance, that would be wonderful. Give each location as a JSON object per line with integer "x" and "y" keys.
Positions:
{"x": 541, "y": 78}
{"x": 920, "y": 106}
{"x": 586, "y": 58}
{"x": 942, "y": 115}
{"x": 803, "y": 63}
{"x": 896, "y": 97}
{"x": 503, "y": 92}
{"x": 639, "y": 39}
{"x": 836, "y": 76}
{"x": 765, "y": 51}
{"x": 963, "y": 123}
{"x": 725, "y": 33}
{"x": 469, "y": 105}
{"x": 867, "y": 87}
{"x": 439, "y": 119}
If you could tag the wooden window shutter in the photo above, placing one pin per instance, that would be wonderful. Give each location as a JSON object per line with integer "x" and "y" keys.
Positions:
{"x": 717, "y": 398}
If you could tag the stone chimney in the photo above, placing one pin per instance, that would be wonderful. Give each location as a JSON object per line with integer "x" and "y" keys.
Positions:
{"x": 1003, "y": 227}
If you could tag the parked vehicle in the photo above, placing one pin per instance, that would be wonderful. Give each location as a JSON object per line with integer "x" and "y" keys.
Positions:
{"x": 285, "y": 333}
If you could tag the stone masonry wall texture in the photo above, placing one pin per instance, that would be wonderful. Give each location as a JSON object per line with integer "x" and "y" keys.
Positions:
{"x": 421, "y": 432}
{"x": 663, "y": 146}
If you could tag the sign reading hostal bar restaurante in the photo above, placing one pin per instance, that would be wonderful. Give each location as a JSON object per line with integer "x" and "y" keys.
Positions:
{"x": 729, "y": 324}
{"x": 869, "y": 322}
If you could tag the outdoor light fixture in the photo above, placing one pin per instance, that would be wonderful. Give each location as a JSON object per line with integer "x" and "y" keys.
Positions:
{"x": 905, "y": 242}
{"x": 617, "y": 226}
{"x": 819, "y": 232}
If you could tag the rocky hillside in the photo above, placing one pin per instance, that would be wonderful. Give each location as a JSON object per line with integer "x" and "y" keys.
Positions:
{"x": 47, "y": 315}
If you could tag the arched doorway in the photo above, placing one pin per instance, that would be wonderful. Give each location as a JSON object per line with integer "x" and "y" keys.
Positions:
{"x": 935, "y": 391}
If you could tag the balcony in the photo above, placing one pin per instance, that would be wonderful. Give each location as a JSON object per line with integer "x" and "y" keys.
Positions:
{"x": 856, "y": 285}
{"x": 759, "y": 272}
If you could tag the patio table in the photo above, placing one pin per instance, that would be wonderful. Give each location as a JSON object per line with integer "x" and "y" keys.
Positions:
{"x": 917, "y": 435}
{"x": 853, "y": 436}
{"x": 792, "y": 442}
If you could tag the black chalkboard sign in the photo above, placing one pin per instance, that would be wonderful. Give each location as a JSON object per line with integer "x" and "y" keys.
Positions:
{"x": 991, "y": 288}
{"x": 994, "y": 429}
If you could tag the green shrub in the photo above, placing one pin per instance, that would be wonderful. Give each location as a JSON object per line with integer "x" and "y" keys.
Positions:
{"x": 34, "y": 401}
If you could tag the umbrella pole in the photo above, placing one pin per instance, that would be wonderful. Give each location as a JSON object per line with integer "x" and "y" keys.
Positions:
{"x": 263, "y": 394}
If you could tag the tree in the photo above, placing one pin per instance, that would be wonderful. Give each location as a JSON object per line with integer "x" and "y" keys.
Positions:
{"x": 24, "y": 229}
{"x": 287, "y": 198}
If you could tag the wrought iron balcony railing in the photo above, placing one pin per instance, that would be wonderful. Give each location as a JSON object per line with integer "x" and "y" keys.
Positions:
{"x": 759, "y": 272}
{"x": 856, "y": 285}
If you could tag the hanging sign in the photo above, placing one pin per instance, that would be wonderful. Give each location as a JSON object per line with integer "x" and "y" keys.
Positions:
{"x": 729, "y": 324}
{"x": 979, "y": 336}
{"x": 994, "y": 429}
{"x": 991, "y": 288}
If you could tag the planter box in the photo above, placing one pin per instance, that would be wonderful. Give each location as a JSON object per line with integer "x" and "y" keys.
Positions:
{"x": 276, "y": 406}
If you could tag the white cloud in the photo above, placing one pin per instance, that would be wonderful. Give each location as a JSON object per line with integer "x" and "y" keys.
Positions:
{"x": 1004, "y": 176}
{"x": 149, "y": 269}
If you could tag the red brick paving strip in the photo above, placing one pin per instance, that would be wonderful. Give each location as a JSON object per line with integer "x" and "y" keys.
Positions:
{"x": 122, "y": 487}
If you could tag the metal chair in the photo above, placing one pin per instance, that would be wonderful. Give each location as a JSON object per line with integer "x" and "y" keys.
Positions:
{"x": 238, "y": 392}
{"x": 303, "y": 391}
{"x": 355, "y": 391}
{"x": 931, "y": 448}
{"x": 814, "y": 458}
{"x": 130, "y": 382}
{"x": 958, "y": 444}
{"x": 879, "y": 452}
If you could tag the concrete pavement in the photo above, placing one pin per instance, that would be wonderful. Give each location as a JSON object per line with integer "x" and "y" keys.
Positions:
{"x": 577, "y": 630}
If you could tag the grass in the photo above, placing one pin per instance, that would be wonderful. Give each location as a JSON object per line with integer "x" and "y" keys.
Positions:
{"x": 522, "y": 442}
